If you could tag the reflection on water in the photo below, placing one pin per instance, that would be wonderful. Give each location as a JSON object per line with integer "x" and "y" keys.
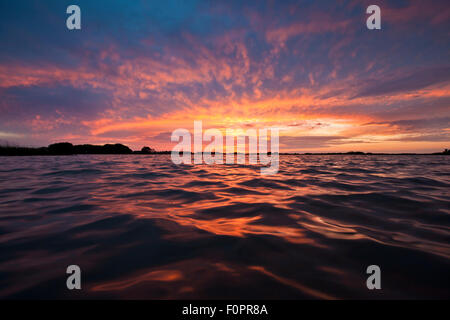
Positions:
{"x": 142, "y": 227}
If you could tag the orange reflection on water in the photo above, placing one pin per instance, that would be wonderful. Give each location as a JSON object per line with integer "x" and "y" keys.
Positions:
{"x": 159, "y": 275}
{"x": 332, "y": 230}
{"x": 240, "y": 227}
{"x": 312, "y": 292}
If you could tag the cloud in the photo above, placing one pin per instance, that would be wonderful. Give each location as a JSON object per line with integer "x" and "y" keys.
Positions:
{"x": 26, "y": 101}
{"x": 405, "y": 83}
{"x": 445, "y": 137}
{"x": 436, "y": 124}
{"x": 136, "y": 71}
{"x": 306, "y": 142}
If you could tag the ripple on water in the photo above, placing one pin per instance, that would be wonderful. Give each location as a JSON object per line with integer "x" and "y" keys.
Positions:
{"x": 142, "y": 227}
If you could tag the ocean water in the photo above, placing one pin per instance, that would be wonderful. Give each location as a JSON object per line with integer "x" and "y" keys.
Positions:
{"x": 141, "y": 227}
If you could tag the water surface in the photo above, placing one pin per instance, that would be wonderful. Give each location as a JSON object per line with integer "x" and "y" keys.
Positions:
{"x": 141, "y": 227}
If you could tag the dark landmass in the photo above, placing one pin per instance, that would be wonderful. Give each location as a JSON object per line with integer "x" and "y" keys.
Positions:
{"x": 445, "y": 152}
{"x": 66, "y": 148}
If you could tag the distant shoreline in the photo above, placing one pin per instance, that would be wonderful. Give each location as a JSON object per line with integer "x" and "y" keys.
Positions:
{"x": 66, "y": 148}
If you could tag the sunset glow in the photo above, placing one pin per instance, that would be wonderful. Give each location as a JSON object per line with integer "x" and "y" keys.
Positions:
{"x": 315, "y": 72}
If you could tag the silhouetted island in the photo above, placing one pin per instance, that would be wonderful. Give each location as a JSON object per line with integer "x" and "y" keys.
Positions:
{"x": 66, "y": 148}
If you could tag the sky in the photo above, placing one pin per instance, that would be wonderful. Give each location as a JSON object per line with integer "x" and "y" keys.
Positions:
{"x": 138, "y": 70}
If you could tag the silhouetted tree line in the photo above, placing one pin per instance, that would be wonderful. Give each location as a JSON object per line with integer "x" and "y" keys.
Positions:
{"x": 66, "y": 148}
